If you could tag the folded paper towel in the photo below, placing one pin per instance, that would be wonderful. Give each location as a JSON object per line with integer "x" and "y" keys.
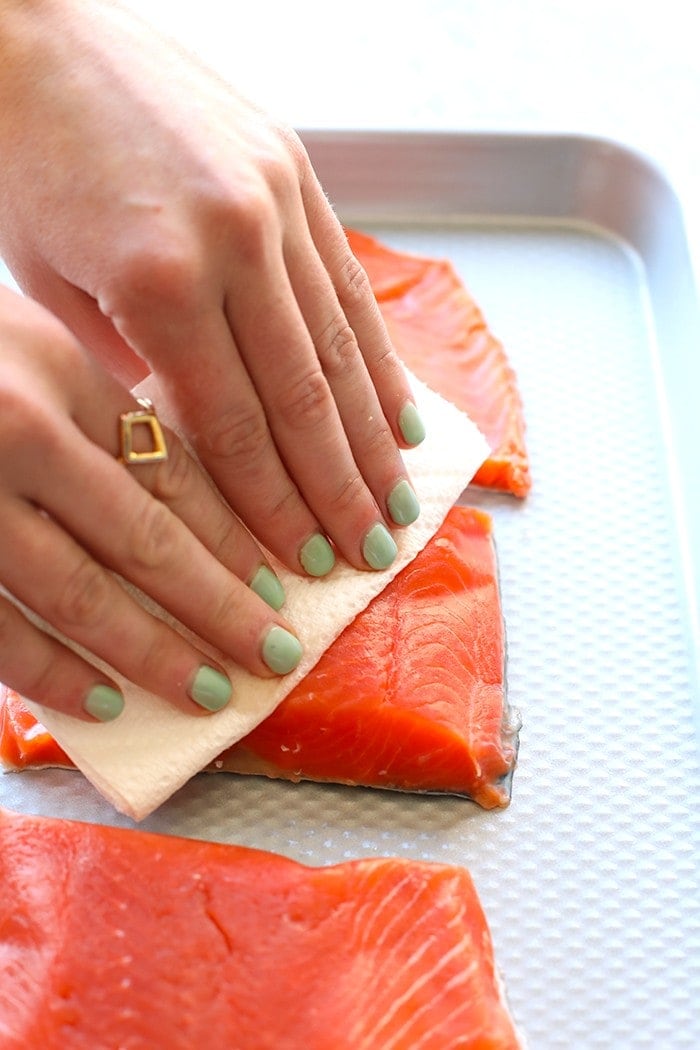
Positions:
{"x": 140, "y": 759}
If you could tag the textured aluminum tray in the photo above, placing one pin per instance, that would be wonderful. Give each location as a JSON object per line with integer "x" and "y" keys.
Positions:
{"x": 591, "y": 879}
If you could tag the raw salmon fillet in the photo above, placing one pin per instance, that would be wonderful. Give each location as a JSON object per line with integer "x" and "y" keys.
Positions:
{"x": 441, "y": 334}
{"x": 112, "y": 938}
{"x": 411, "y": 696}
{"x": 24, "y": 742}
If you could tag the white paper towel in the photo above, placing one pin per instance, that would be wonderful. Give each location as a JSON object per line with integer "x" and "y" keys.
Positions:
{"x": 140, "y": 759}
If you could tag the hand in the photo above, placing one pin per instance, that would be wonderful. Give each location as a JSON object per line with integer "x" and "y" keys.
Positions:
{"x": 176, "y": 228}
{"x": 71, "y": 516}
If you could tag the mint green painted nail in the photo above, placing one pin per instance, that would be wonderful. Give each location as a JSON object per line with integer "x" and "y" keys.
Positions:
{"x": 281, "y": 651}
{"x": 104, "y": 703}
{"x": 379, "y": 549}
{"x": 317, "y": 556}
{"x": 411, "y": 424}
{"x": 210, "y": 689}
{"x": 403, "y": 504}
{"x": 268, "y": 587}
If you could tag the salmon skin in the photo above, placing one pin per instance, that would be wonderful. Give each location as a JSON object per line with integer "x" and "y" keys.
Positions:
{"x": 411, "y": 696}
{"x": 112, "y": 938}
{"x": 441, "y": 334}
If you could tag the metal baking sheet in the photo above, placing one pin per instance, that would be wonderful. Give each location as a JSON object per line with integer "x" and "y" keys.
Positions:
{"x": 576, "y": 250}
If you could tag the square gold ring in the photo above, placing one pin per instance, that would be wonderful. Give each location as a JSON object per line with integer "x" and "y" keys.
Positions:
{"x": 141, "y": 417}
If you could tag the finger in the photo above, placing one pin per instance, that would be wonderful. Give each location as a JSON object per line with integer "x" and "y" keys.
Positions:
{"x": 302, "y": 415}
{"x": 371, "y": 439}
{"x": 99, "y": 504}
{"x": 359, "y": 306}
{"x": 185, "y": 489}
{"x": 219, "y": 409}
{"x": 41, "y": 669}
{"x": 85, "y": 603}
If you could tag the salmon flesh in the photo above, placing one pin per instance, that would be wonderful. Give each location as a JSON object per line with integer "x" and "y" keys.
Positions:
{"x": 112, "y": 938}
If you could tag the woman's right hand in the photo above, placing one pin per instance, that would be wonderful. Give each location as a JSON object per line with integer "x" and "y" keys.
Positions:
{"x": 72, "y": 516}
{"x": 177, "y": 229}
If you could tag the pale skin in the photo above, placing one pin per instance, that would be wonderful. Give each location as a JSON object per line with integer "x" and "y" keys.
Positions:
{"x": 170, "y": 226}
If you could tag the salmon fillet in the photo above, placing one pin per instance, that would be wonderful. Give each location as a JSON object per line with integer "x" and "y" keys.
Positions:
{"x": 112, "y": 938}
{"x": 24, "y": 742}
{"x": 411, "y": 696}
{"x": 441, "y": 334}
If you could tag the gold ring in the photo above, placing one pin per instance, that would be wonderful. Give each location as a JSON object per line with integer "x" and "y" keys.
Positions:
{"x": 144, "y": 416}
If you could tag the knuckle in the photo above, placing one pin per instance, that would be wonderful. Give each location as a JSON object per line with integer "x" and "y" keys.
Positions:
{"x": 26, "y": 414}
{"x": 84, "y": 598}
{"x": 238, "y": 435}
{"x": 293, "y": 147}
{"x": 279, "y": 157}
{"x": 42, "y": 684}
{"x": 225, "y": 538}
{"x": 307, "y": 403}
{"x": 353, "y": 283}
{"x": 284, "y": 507}
{"x": 386, "y": 365}
{"x": 27, "y": 430}
{"x": 18, "y": 418}
{"x": 173, "y": 477}
{"x": 379, "y": 447}
{"x": 37, "y": 678}
{"x": 337, "y": 346}
{"x": 248, "y": 217}
{"x": 154, "y": 537}
{"x": 225, "y": 615}
{"x": 278, "y": 170}
{"x": 163, "y": 273}
{"x": 378, "y": 442}
{"x": 156, "y": 650}
{"x": 247, "y": 213}
{"x": 346, "y": 497}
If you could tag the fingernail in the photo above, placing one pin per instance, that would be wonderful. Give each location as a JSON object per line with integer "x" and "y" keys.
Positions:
{"x": 379, "y": 549}
{"x": 104, "y": 703}
{"x": 268, "y": 587}
{"x": 281, "y": 651}
{"x": 411, "y": 424}
{"x": 210, "y": 689}
{"x": 403, "y": 503}
{"x": 317, "y": 556}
